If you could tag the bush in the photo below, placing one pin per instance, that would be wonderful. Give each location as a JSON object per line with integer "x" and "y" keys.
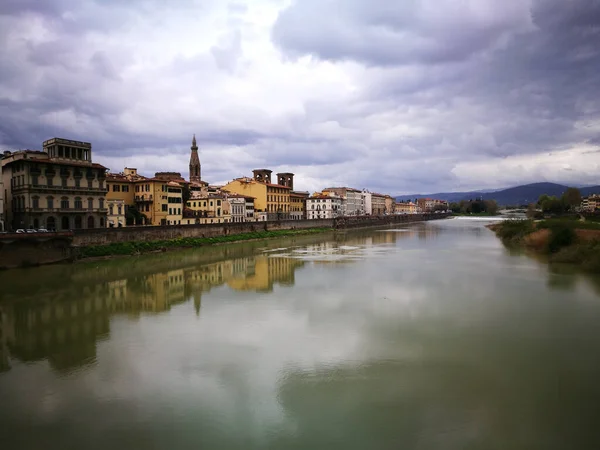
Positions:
{"x": 560, "y": 237}
{"x": 514, "y": 230}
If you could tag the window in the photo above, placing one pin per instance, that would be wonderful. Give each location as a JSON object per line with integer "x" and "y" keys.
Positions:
{"x": 90, "y": 204}
{"x": 125, "y": 188}
{"x": 179, "y": 211}
{"x": 110, "y": 209}
{"x": 165, "y": 208}
{"x": 34, "y": 180}
{"x": 170, "y": 211}
{"x": 35, "y": 202}
{"x": 101, "y": 205}
{"x": 64, "y": 182}
{"x": 119, "y": 209}
{"x": 64, "y": 203}
{"x": 218, "y": 202}
{"x": 78, "y": 203}
{"x": 211, "y": 203}
{"x": 90, "y": 183}
{"x": 77, "y": 182}
{"x": 116, "y": 188}
{"x": 50, "y": 202}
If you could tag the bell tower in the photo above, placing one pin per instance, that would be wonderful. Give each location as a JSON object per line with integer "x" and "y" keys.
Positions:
{"x": 195, "y": 167}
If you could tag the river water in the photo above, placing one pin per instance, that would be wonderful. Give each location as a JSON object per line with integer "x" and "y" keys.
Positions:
{"x": 429, "y": 336}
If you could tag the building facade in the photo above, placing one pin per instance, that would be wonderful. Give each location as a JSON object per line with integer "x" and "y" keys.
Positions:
{"x": 59, "y": 188}
{"x": 211, "y": 209}
{"x": 368, "y": 202}
{"x": 590, "y": 203}
{"x": 405, "y": 208}
{"x": 237, "y": 207}
{"x": 298, "y": 205}
{"x": 160, "y": 199}
{"x": 271, "y": 199}
{"x": 116, "y": 214}
{"x": 390, "y": 204}
{"x": 378, "y": 204}
{"x": 321, "y": 206}
{"x": 353, "y": 201}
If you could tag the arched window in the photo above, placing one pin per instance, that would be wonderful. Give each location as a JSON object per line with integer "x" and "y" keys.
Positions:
{"x": 50, "y": 223}
{"x": 90, "y": 222}
{"x": 64, "y": 225}
{"x": 78, "y": 221}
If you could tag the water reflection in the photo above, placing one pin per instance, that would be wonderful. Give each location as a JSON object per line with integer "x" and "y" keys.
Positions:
{"x": 429, "y": 336}
{"x": 61, "y": 323}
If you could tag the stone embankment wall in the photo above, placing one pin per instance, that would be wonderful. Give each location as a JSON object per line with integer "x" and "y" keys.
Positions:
{"x": 24, "y": 250}
{"x": 21, "y": 250}
{"x": 83, "y": 238}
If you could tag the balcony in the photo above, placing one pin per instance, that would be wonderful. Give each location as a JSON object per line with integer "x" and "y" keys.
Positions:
{"x": 62, "y": 210}
{"x": 55, "y": 188}
{"x": 144, "y": 198}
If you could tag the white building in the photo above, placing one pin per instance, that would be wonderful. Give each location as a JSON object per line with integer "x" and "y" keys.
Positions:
{"x": 322, "y": 206}
{"x": 237, "y": 207}
{"x": 116, "y": 214}
{"x": 249, "y": 208}
{"x": 353, "y": 202}
{"x": 368, "y": 202}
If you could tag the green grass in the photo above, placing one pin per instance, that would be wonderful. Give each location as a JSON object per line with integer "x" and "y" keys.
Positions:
{"x": 569, "y": 223}
{"x": 133, "y": 248}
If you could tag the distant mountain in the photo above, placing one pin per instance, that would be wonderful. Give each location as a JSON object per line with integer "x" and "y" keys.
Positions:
{"x": 518, "y": 195}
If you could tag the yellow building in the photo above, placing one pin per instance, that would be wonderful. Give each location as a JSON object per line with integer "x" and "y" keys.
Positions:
{"x": 121, "y": 186}
{"x": 406, "y": 208}
{"x": 213, "y": 208}
{"x": 269, "y": 198}
{"x": 160, "y": 199}
{"x": 298, "y": 205}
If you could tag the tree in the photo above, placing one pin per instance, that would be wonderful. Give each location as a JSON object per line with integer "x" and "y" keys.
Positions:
{"x": 571, "y": 198}
{"x": 552, "y": 205}
{"x": 185, "y": 194}
{"x": 491, "y": 207}
{"x": 134, "y": 217}
{"x": 531, "y": 211}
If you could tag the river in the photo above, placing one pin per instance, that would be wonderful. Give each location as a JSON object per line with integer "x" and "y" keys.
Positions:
{"x": 428, "y": 336}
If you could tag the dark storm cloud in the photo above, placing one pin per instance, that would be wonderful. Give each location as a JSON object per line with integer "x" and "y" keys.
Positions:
{"x": 530, "y": 74}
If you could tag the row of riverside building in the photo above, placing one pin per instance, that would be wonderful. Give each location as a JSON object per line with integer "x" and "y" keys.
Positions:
{"x": 60, "y": 188}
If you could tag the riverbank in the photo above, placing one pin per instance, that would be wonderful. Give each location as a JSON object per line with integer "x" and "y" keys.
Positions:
{"x": 137, "y": 248}
{"x": 560, "y": 240}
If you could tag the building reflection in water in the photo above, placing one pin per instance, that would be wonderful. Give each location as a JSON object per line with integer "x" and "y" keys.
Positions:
{"x": 62, "y": 324}
{"x": 64, "y": 328}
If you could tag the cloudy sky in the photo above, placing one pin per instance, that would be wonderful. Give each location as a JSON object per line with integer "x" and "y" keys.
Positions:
{"x": 411, "y": 96}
